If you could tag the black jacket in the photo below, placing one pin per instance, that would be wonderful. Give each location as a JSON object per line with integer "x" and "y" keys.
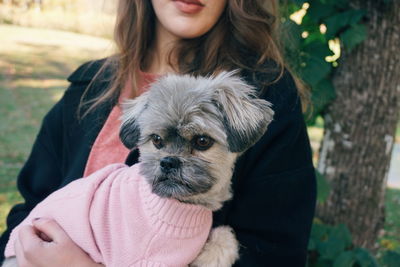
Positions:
{"x": 273, "y": 184}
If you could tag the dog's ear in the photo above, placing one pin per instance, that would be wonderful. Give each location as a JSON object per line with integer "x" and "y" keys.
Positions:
{"x": 130, "y": 126}
{"x": 246, "y": 117}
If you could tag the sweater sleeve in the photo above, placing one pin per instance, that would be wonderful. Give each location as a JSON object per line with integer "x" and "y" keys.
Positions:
{"x": 70, "y": 206}
{"x": 274, "y": 188}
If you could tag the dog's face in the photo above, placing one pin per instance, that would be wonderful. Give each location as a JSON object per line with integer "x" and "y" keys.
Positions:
{"x": 190, "y": 131}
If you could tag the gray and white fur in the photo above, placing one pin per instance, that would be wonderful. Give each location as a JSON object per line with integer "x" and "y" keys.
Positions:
{"x": 181, "y": 111}
{"x": 190, "y": 131}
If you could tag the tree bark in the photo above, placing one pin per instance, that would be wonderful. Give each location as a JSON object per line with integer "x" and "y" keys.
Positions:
{"x": 360, "y": 126}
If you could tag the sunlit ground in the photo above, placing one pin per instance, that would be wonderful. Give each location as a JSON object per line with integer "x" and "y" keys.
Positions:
{"x": 34, "y": 65}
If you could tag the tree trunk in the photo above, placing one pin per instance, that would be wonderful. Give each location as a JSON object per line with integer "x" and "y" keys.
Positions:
{"x": 360, "y": 126}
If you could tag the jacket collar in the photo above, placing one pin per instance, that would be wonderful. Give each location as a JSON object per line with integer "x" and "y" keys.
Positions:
{"x": 87, "y": 72}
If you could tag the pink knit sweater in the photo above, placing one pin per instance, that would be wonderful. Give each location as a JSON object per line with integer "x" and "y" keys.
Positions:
{"x": 118, "y": 221}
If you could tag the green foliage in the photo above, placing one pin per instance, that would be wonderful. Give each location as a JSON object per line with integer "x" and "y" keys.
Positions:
{"x": 323, "y": 94}
{"x": 339, "y": 22}
{"x": 323, "y": 187}
{"x": 391, "y": 238}
{"x": 353, "y": 36}
{"x": 307, "y": 44}
{"x": 307, "y": 48}
{"x": 390, "y": 259}
{"x": 331, "y": 246}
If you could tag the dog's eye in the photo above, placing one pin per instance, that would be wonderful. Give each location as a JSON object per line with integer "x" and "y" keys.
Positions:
{"x": 202, "y": 142}
{"x": 157, "y": 141}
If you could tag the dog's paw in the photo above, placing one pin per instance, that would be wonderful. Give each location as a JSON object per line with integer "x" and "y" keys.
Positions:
{"x": 220, "y": 250}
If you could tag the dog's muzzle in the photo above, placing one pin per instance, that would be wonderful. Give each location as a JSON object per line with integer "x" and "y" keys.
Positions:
{"x": 169, "y": 164}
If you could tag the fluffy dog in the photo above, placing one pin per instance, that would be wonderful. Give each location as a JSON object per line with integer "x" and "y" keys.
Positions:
{"x": 190, "y": 131}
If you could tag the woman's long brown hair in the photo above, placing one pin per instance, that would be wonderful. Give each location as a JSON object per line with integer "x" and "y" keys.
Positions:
{"x": 244, "y": 37}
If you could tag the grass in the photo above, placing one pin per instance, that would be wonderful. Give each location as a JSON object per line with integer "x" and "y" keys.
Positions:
{"x": 391, "y": 235}
{"x": 34, "y": 64}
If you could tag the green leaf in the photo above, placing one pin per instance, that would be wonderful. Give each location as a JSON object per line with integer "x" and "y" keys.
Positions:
{"x": 323, "y": 263}
{"x": 319, "y": 232}
{"x": 316, "y": 37}
{"x": 322, "y": 95}
{"x": 317, "y": 11}
{"x": 339, "y": 239}
{"x": 313, "y": 30}
{"x": 292, "y": 35}
{"x": 364, "y": 258}
{"x": 308, "y": 24}
{"x": 289, "y": 8}
{"x": 323, "y": 187}
{"x": 345, "y": 259}
{"x": 340, "y": 21}
{"x": 330, "y": 249}
{"x": 390, "y": 259}
{"x": 353, "y": 36}
{"x": 314, "y": 69}
{"x": 299, "y": 2}
{"x": 356, "y": 15}
{"x": 343, "y": 4}
{"x": 318, "y": 49}
{"x": 341, "y": 232}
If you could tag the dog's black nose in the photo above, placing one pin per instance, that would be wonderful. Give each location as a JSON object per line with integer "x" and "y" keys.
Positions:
{"x": 169, "y": 163}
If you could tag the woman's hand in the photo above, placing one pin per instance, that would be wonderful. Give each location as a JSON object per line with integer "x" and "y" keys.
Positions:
{"x": 46, "y": 244}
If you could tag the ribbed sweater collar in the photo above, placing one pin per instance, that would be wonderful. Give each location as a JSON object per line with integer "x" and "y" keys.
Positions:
{"x": 172, "y": 217}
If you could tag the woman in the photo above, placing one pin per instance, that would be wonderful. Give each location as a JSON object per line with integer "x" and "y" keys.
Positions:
{"x": 273, "y": 183}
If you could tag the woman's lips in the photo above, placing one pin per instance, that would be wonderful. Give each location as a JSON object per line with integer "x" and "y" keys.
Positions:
{"x": 189, "y": 6}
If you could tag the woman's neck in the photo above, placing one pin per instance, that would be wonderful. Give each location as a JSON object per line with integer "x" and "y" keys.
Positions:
{"x": 159, "y": 56}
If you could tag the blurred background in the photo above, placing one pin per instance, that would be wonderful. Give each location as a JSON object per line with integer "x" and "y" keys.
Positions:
{"x": 353, "y": 124}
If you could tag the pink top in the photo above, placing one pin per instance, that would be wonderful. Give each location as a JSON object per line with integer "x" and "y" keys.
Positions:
{"x": 118, "y": 221}
{"x": 108, "y": 148}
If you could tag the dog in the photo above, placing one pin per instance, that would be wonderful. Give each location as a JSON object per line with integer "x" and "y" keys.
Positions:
{"x": 190, "y": 130}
